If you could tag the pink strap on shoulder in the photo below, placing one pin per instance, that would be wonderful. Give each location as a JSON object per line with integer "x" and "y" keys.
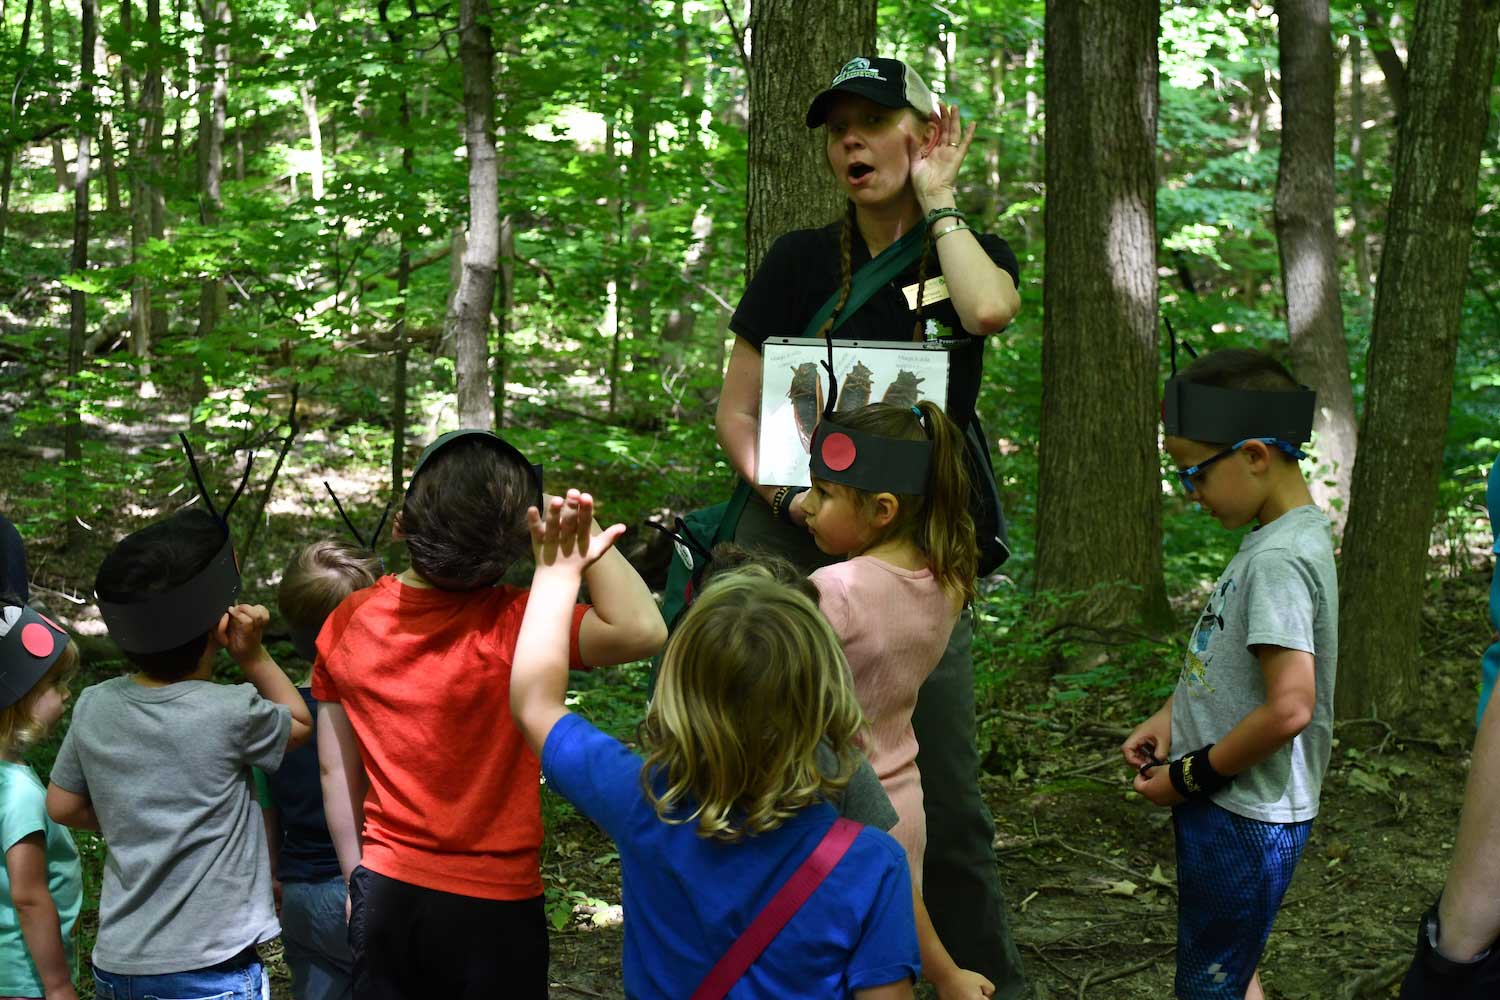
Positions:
{"x": 782, "y": 907}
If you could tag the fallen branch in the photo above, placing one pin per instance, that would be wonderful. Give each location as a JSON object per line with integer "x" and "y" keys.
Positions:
{"x": 1375, "y": 981}
{"x": 1090, "y": 979}
{"x": 1444, "y": 744}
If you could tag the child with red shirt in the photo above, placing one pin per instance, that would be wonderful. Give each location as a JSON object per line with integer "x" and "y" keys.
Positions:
{"x": 431, "y": 793}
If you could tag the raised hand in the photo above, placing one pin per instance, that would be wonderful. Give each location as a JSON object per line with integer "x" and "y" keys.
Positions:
{"x": 935, "y": 164}
{"x": 240, "y": 630}
{"x": 565, "y": 538}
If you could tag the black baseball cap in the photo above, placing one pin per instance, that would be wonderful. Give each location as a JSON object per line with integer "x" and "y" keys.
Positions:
{"x": 888, "y": 82}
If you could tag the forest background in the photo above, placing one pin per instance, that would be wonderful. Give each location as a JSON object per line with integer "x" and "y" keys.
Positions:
{"x": 324, "y": 232}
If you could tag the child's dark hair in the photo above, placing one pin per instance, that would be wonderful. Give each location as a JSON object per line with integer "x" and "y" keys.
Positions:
{"x": 319, "y": 578}
{"x": 939, "y": 523}
{"x": 1240, "y": 368}
{"x": 464, "y": 517}
{"x": 155, "y": 559}
{"x": 729, "y": 557}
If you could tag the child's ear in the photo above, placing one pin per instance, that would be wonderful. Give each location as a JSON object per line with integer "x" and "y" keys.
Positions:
{"x": 398, "y": 530}
{"x": 887, "y": 506}
{"x": 1258, "y": 453}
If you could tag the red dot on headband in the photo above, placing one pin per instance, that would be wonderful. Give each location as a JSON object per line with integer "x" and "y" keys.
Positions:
{"x": 838, "y": 451}
{"x": 38, "y": 640}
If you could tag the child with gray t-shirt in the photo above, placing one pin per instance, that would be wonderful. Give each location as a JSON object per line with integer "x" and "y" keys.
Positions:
{"x": 1240, "y": 748}
{"x": 159, "y": 762}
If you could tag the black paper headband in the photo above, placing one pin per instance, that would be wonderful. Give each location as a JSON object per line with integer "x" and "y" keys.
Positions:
{"x": 1224, "y": 416}
{"x": 865, "y": 461}
{"x": 163, "y": 621}
{"x": 495, "y": 441}
{"x": 30, "y": 643}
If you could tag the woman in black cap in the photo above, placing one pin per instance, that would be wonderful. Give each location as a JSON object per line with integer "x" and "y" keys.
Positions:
{"x": 895, "y": 151}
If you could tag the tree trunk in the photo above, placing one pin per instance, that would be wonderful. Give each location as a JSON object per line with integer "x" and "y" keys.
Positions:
{"x": 1412, "y": 350}
{"x": 468, "y": 319}
{"x": 796, "y": 49}
{"x": 1387, "y": 58}
{"x": 1360, "y": 236}
{"x": 107, "y": 137}
{"x": 153, "y": 123}
{"x": 140, "y": 210}
{"x": 1309, "y": 247}
{"x": 15, "y": 110}
{"x": 1099, "y": 345}
{"x": 59, "y": 161}
{"x": 213, "y": 97}
{"x": 315, "y": 136}
{"x": 403, "y": 266}
{"x": 77, "y": 301}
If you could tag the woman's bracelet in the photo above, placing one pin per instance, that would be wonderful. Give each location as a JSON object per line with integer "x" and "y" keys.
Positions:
{"x": 952, "y": 229}
{"x": 943, "y": 213}
{"x": 781, "y": 502}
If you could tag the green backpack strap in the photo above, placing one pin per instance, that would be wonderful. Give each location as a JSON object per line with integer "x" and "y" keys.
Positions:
{"x": 892, "y": 261}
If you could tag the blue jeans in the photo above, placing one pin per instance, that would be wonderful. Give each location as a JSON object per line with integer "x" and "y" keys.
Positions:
{"x": 239, "y": 978}
{"x": 315, "y": 937}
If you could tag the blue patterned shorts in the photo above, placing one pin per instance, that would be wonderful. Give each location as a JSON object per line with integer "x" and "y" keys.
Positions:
{"x": 1231, "y": 875}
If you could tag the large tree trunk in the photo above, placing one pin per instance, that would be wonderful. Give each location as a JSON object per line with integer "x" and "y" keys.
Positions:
{"x": 1308, "y": 245}
{"x": 1412, "y": 349}
{"x": 795, "y": 50}
{"x": 1099, "y": 345}
{"x": 140, "y": 210}
{"x": 469, "y": 313}
{"x": 77, "y": 319}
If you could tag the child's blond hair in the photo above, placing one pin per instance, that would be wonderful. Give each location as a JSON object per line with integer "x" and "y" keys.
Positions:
{"x": 319, "y": 578}
{"x": 751, "y": 682}
{"x": 19, "y": 730}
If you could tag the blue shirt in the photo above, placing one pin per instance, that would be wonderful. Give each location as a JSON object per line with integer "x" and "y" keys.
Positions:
{"x": 687, "y": 899}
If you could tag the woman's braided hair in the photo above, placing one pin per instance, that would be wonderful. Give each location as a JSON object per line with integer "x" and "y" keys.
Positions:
{"x": 846, "y": 273}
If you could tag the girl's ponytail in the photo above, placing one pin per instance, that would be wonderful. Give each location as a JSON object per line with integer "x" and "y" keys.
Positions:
{"x": 946, "y": 530}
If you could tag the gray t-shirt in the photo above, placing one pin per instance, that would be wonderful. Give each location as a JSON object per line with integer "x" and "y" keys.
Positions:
{"x": 187, "y": 882}
{"x": 1280, "y": 589}
{"x": 864, "y": 799}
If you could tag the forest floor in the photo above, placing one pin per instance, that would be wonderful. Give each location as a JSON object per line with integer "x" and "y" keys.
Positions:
{"x": 1088, "y": 867}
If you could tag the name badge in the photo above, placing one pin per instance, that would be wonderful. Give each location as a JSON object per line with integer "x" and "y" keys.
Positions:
{"x": 936, "y": 291}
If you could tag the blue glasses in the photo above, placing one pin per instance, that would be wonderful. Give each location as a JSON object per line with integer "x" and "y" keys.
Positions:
{"x": 1185, "y": 476}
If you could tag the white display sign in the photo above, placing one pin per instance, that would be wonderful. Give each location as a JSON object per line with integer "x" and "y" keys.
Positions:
{"x": 794, "y": 387}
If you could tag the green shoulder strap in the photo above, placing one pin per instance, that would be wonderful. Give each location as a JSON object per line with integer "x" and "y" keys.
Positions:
{"x": 892, "y": 261}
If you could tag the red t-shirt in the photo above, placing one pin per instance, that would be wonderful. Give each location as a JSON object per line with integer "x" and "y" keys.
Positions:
{"x": 424, "y": 676}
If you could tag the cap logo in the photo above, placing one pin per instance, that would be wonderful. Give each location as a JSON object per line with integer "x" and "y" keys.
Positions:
{"x": 859, "y": 66}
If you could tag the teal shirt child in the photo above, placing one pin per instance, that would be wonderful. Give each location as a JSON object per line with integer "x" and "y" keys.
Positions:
{"x": 23, "y": 811}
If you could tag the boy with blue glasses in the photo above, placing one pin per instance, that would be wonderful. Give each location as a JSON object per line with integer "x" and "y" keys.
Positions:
{"x": 1240, "y": 748}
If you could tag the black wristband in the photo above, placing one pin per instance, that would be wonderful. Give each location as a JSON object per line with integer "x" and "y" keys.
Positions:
{"x": 1194, "y": 777}
{"x": 784, "y": 509}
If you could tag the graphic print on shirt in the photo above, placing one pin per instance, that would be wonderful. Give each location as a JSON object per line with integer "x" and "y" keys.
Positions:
{"x": 1195, "y": 664}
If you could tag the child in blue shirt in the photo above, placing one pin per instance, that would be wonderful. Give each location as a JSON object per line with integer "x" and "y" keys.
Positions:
{"x": 1241, "y": 747}
{"x": 304, "y": 864}
{"x": 729, "y": 800}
